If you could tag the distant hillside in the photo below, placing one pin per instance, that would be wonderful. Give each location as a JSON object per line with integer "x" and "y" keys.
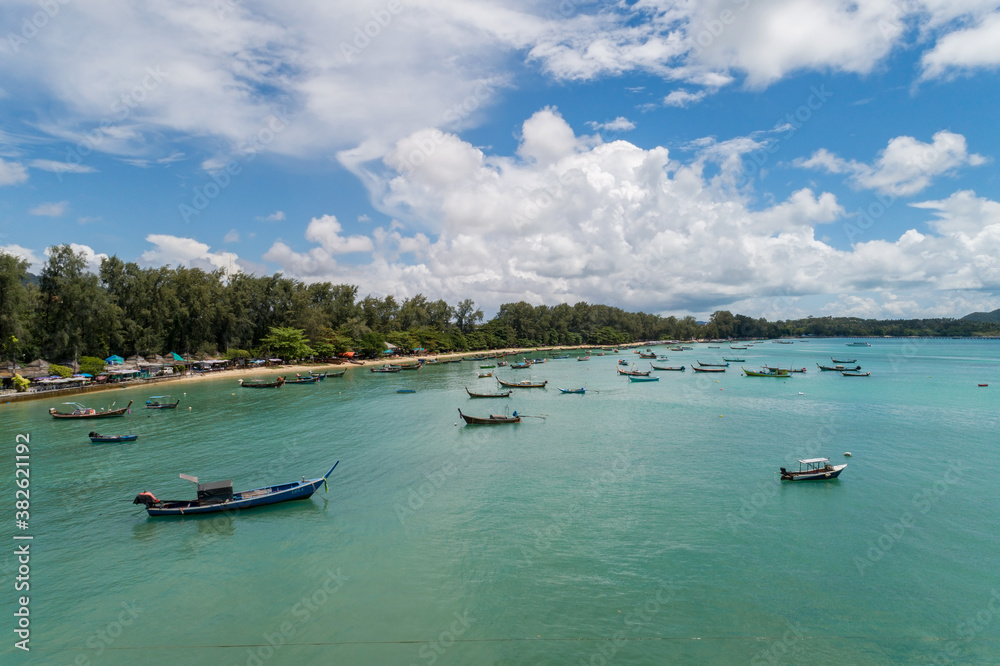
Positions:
{"x": 990, "y": 317}
{"x": 31, "y": 278}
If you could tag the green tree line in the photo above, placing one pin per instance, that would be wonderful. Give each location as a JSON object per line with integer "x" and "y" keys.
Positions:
{"x": 70, "y": 312}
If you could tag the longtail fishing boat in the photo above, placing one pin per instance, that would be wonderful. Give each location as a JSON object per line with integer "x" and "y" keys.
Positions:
{"x": 492, "y": 419}
{"x": 505, "y": 394}
{"x": 767, "y": 373}
{"x": 634, "y": 373}
{"x": 713, "y": 365}
{"x": 524, "y": 383}
{"x": 701, "y": 369}
{"x": 111, "y": 439}
{"x": 838, "y": 368}
{"x": 81, "y": 412}
{"x": 260, "y": 383}
{"x": 219, "y": 496}
{"x": 666, "y": 367}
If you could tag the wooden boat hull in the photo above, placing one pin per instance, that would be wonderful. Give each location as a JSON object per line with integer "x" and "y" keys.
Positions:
{"x": 491, "y": 420}
{"x": 169, "y": 405}
{"x": 832, "y": 472}
{"x": 302, "y": 380}
{"x": 246, "y": 499}
{"x": 517, "y": 385}
{"x": 660, "y": 367}
{"x": 643, "y": 379}
{"x": 263, "y": 385}
{"x": 96, "y": 415}
{"x": 579, "y": 390}
{"x": 701, "y": 369}
{"x": 753, "y": 373}
{"x": 486, "y": 395}
{"x": 336, "y": 374}
{"x": 856, "y": 374}
{"x": 713, "y": 365}
{"x": 111, "y": 439}
{"x": 838, "y": 368}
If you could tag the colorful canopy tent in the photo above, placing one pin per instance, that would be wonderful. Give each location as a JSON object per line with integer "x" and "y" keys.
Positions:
{"x": 347, "y": 354}
{"x": 114, "y": 360}
{"x": 175, "y": 356}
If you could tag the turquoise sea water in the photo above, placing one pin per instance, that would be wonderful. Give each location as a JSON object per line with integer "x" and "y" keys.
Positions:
{"x": 639, "y": 523}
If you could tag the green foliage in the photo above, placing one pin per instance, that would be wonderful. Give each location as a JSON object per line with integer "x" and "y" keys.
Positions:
{"x": 60, "y": 370}
{"x": 287, "y": 343}
{"x": 135, "y": 310}
{"x": 237, "y": 354}
{"x": 20, "y": 384}
{"x": 91, "y": 365}
{"x": 373, "y": 344}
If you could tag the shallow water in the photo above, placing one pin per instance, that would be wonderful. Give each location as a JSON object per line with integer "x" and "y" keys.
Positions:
{"x": 639, "y": 523}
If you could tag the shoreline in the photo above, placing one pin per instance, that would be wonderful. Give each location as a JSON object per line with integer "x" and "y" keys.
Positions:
{"x": 12, "y": 397}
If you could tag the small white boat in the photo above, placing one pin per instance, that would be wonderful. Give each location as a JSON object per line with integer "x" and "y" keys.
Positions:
{"x": 813, "y": 469}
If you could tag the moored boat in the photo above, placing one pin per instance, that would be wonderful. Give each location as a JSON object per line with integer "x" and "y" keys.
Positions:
{"x": 484, "y": 375}
{"x": 492, "y": 419}
{"x": 700, "y": 369}
{"x": 734, "y": 360}
{"x": 577, "y": 390}
{"x": 855, "y": 374}
{"x": 838, "y": 368}
{"x": 111, "y": 439}
{"x": 260, "y": 383}
{"x": 219, "y": 496}
{"x": 767, "y": 373}
{"x": 634, "y": 373}
{"x": 845, "y": 360}
{"x": 856, "y": 344}
{"x": 81, "y": 412}
{"x": 713, "y": 365}
{"x": 524, "y": 383}
{"x": 583, "y": 358}
{"x": 634, "y": 378}
{"x": 336, "y": 374}
{"x": 813, "y": 469}
{"x": 774, "y": 368}
{"x": 154, "y": 402}
{"x": 666, "y": 367}
{"x": 302, "y": 380}
{"x": 505, "y": 394}
{"x": 388, "y": 368}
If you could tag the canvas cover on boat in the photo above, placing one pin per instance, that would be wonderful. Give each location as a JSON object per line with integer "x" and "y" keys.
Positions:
{"x": 217, "y": 491}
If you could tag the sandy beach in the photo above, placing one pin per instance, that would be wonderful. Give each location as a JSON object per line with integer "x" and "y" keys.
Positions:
{"x": 263, "y": 372}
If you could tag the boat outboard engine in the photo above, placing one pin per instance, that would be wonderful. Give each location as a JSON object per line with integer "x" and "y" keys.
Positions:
{"x": 146, "y": 498}
{"x": 783, "y": 471}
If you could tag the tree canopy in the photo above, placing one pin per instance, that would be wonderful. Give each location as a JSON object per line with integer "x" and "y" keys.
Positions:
{"x": 128, "y": 309}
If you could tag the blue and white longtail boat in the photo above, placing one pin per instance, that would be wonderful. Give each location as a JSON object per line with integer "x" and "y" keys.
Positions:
{"x": 219, "y": 496}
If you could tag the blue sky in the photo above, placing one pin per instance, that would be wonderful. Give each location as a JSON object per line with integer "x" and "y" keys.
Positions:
{"x": 776, "y": 158}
